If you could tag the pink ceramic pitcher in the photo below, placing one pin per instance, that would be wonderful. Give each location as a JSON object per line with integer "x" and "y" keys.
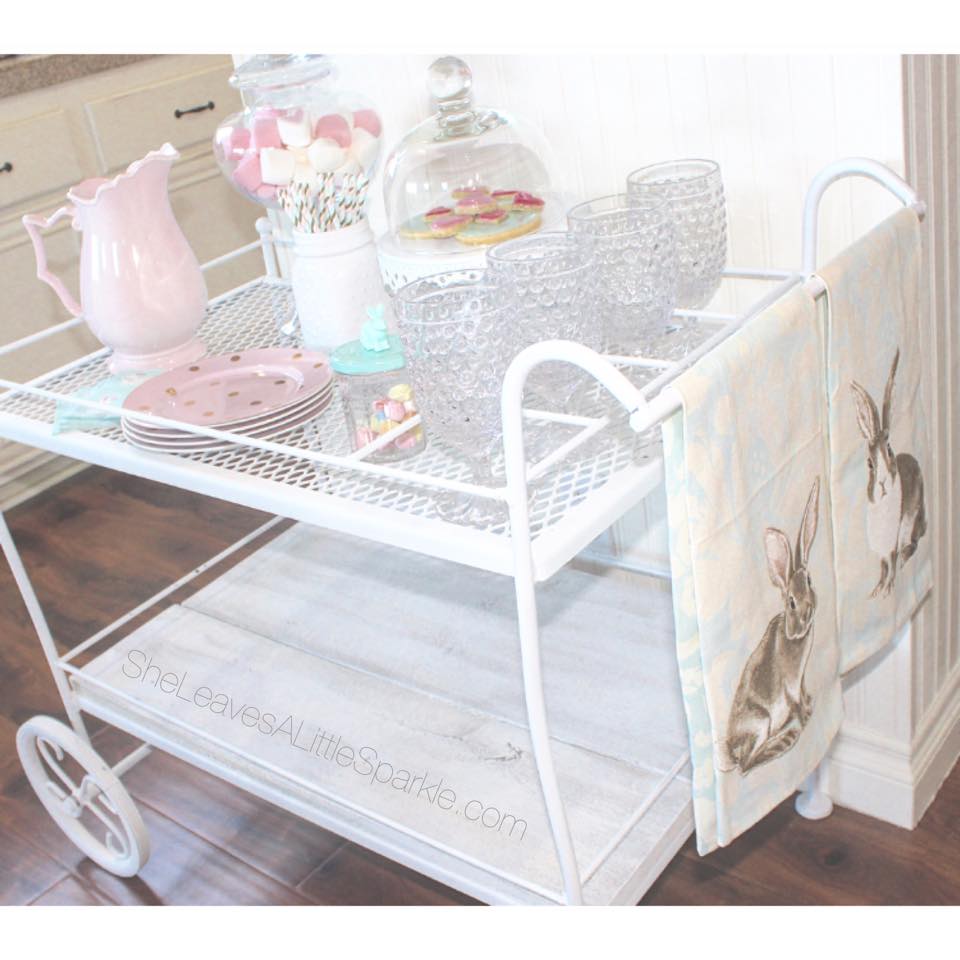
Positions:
{"x": 141, "y": 288}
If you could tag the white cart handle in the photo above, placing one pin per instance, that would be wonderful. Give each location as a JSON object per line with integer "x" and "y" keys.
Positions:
{"x": 34, "y": 224}
{"x": 850, "y": 167}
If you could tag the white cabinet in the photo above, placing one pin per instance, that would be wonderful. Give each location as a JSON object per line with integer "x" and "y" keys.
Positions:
{"x": 183, "y": 111}
{"x": 38, "y": 154}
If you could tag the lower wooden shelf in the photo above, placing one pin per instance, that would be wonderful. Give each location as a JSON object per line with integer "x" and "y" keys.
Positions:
{"x": 379, "y": 694}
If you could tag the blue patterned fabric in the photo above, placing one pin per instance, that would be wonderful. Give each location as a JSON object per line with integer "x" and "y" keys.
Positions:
{"x": 746, "y": 463}
{"x": 876, "y": 350}
{"x": 113, "y": 390}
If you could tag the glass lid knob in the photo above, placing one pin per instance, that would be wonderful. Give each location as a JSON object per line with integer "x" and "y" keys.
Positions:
{"x": 449, "y": 79}
{"x": 449, "y": 82}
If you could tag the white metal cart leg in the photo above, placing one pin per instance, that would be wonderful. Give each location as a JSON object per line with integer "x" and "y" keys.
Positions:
{"x": 43, "y": 630}
{"x": 525, "y": 576}
{"x": 529, "y": 629}
{"x": 813, "y": 802}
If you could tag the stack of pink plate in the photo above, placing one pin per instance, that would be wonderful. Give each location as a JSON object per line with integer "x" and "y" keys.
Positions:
{"x": 256, "y": 393}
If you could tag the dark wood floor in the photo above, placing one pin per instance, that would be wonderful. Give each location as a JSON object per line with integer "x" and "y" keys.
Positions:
{"x": 101, "y": 542}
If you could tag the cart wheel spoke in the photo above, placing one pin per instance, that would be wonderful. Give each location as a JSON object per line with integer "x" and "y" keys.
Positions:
{"x": 113, "y": 834}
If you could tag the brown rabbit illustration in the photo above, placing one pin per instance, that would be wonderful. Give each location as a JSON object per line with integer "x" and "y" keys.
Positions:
{"x": 772, "y": 706}
{"x": 896, "y": 515}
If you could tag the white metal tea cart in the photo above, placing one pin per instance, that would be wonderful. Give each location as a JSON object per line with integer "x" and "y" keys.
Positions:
{"x": 361, "y": 669}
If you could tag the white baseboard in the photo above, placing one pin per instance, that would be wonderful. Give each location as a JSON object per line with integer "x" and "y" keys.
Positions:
{"x": 26, "y": 471}
{"x": 893, "y": 780}
{"x": 936, "y": 746}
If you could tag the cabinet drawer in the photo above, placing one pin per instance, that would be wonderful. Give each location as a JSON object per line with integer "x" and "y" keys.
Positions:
{"x": 129, "y": 125}
{"x": 37, "y": 155}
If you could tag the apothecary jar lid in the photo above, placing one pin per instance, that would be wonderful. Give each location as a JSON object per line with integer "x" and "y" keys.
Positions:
{"x": 266, "y": 75}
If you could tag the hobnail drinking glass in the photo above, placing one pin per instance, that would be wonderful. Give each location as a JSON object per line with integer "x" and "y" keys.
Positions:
{"x": 459, "y": 335}
{"x": 694, "y": 191}
{"x": 636, "y": 267}
{"x": 550, "y": 277}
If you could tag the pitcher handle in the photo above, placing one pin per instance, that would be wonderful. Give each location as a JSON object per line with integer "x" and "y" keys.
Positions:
{"x": 34, "y": 224}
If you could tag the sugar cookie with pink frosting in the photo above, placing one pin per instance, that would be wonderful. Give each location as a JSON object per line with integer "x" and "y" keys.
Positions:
{"x": 484, "y": 233}
{"x": 473, "y": 203}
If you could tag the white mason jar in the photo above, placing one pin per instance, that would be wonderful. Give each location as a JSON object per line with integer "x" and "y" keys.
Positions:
{"x": 335, "y": 276}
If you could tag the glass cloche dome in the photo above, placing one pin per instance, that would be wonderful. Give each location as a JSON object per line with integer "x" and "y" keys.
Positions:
{"x": 463, "y": 179}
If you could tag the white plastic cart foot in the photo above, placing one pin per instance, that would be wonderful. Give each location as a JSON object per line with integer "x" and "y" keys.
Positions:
{"x": 813, "y": 803}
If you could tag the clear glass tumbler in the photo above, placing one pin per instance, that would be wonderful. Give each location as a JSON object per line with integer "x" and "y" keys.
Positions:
{"x": 550, "y": 277}
{"x": 694, "y": 191}
{"x": 459, "y": 335}
{"x": 636, "y": 267}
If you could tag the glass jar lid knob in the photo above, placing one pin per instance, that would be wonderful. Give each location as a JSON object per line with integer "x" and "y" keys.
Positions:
{"x": 449, "y": 82}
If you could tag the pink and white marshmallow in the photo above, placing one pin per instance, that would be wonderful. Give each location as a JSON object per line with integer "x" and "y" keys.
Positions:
{"x": 367, "y": 120}
{"x": 333, "y": 126}
{"x": 295, "y": 129}
{"x": 325, "y": 155}
{"x": 264, "y": 133}
{"x": 277, "y": 166}
{"x": 247, "y": 173}
{"x": 364, "y": 147}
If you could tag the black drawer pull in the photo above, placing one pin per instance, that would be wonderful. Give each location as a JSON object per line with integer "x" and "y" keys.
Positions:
{"x": 178, "y": 113}
{"x": 7, "y": 167}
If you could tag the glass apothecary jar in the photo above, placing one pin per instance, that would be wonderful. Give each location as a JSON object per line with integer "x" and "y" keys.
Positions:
{"x": 376, "y": 392}
{"x": 296, "y": 127}
{"x": 464, "y": 179}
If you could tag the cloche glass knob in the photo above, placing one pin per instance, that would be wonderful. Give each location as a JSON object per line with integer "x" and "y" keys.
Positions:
{"x": 449, "y": 81}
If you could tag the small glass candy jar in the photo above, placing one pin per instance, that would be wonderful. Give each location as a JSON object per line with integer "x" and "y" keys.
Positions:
{"x": 377, "y": 396}
{"x": 296, "y": 127}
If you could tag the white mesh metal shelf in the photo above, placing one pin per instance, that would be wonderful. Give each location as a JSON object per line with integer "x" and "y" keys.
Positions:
{"x": 312, "y": 473}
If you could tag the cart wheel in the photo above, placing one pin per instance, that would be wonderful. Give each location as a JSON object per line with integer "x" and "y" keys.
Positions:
{"x": 97, "y": 813}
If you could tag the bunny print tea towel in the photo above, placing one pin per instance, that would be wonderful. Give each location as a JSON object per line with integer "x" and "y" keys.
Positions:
{"x": 748, "y": 504}
{"x": 879, "y": 447}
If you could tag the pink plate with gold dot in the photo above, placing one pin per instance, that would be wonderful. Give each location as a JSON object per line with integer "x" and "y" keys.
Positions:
{"x": 218, "y": 391}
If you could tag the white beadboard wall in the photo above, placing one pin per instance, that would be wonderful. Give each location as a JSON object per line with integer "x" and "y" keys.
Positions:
{"x": 770, "y": 121}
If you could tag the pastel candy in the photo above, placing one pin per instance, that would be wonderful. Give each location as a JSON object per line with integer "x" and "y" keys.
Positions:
{"x": 266, "y": 192}
{"x": 300, "y": 154}
{"x": 364, "y": 148}
{"x": 409, "y": 406}
{"x": 247, "y": 172}
{"x": 408, "y": 440}
{"x": 364, "y": 436}
{"x": 400, "y": 391}
{"x": 333, "y": 126}
{"x": 265, "y": 133}
{"x": 294, "y": 129}
{"x": 277, "y": 166}
{"x": 325, "y": 155}
{"x": 367, "y": 120}
{"x": 395, "y": 410}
